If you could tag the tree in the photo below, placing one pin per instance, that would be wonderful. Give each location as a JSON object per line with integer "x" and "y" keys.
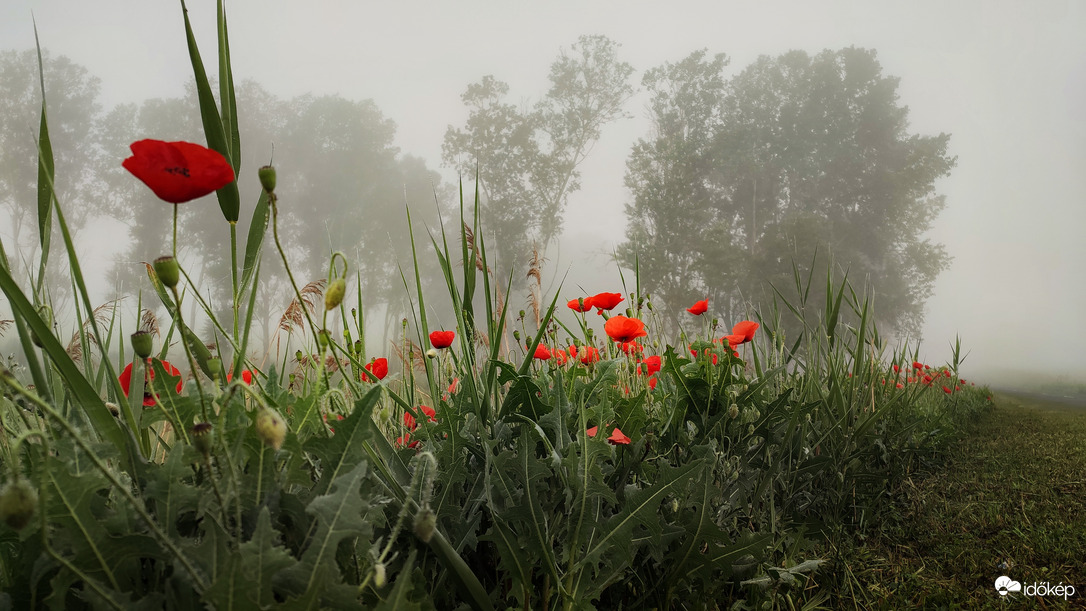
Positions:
{"x": 527, "y": 159}
{"x": 792, "y": 155}
{"x": 72, "y": 101}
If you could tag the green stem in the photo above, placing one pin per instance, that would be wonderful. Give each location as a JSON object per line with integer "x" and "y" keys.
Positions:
{"x": 234, "y": 274}
{"x": 175, "y": 231}
{"x": 188, "y": 353}
{"x": 222, "y": 502}
{"x": 290, "y": 275}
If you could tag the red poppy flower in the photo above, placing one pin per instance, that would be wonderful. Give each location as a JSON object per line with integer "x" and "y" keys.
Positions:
{"x": 378, "y": 367}
{"x": 589, "y": 354}
{"x": 560, "y": 356}
{"x": 405, "y": 440}
{"x": 246, "y": 376}
{"x": 947, "y": 390}
{"x": 605, "y": 301}
{"x": 591, "y": 432}
{"x": 580, "y": 305}
{"x": 622, "y": 329}
{"x": 409, "y": 420}
{"x": 918, "y": 365}
{"x": 542, "y": 352}
{"x": 699, "y": 308}
{"x": 617, "y": 437}
{"x": 650, "y": 365}
{"x": 630, "y": 347}
{"x": 442, "y": 339}
{"x": 745, "y": 329}
{"x": 148, "y": 399}
{"x": 178, "y": 171}
{"x": 652, "y": 383}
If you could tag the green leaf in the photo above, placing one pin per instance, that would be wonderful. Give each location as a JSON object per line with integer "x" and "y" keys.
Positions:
{"x": 46, "y": 173}
{"x": 344, "y": 450}
{"x": 229, "y": 198}
{"x": 246, "y": 582}
{"x": 338, "y": 515}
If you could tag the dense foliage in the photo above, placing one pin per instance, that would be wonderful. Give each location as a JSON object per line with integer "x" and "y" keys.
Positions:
{"x": 793, "y": 154}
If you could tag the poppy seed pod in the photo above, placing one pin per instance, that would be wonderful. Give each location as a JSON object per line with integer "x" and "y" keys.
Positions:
{"x": 201, "y": 437}
{"x": 167, "y": 270}
{"x": 142, "y": 343}
{"x": 18, "y": 502}
{"x": 271, "y": 428}
{"x": 267, "y": 178}
{"x": 333, "y": 296}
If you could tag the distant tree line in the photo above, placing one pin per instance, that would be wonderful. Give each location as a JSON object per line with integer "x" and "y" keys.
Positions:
{"x": 740, "y": 177}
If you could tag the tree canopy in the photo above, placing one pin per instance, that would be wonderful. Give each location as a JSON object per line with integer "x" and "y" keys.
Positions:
{"x": 794, "y": 154}
{"x": 527, "y": 159}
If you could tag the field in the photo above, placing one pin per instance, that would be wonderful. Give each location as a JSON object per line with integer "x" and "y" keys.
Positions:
{"x": 582, "y": 455}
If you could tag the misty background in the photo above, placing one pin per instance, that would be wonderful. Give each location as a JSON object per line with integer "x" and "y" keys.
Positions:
{"x": 1005, "y": 80}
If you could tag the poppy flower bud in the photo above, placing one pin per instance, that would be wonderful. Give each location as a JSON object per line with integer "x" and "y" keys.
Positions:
{"x": 142, "y": 343}
{"x": 271, "y": 428}
{"x": 167, "y": 270}
{"x": 322, "y": 338}
{"x": 425, "y": 523}
{"x": 516, "y": 335}
{"x": 201, "y": 437}
{"x": 267, "y": 178}
{"x": 379, "y": 578}
{"x": 113, "y": 409}
{"x": 18, "y": 502}
{"x": 333, "y": 296}
{"x": 431, "y": 353}
{"x": 214, "y": 367}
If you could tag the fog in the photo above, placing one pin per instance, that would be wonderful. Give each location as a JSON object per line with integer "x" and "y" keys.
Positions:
{"x": 1006, "y": 80}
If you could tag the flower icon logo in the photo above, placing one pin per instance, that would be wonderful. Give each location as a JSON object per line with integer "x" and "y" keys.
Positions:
{"x": 1004, "y": 585}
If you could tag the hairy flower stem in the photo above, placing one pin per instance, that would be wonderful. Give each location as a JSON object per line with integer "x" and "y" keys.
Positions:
{"x": 175, "y": 231}
{"x": 188, "y": 353}
{"x": 222, "y": 502}
{"x": 274, "y": 200}
{"x": 198, "y": 581}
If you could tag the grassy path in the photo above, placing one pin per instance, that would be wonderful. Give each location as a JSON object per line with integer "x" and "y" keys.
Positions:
{"x": 1009, "y": 500}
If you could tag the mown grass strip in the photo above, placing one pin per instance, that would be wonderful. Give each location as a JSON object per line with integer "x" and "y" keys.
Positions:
{"x": 1008, "y": 499}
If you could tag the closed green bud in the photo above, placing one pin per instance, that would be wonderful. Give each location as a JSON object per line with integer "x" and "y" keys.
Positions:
{"x": 271, "y": 428}
{"x": 379, "y": 578}
{"x": 167, "y": 270}
{"x": 267, "y": 178}
{"x": 214, "y": 367}
{"x": 142, "y": 343}
{"x": 18, "y": 502}
{"x": 333, "y": 296}
{"x": 322, "y": 338}
{"x": 425, "y": 523}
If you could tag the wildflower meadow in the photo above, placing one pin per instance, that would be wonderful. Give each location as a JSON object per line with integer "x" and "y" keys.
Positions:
{"x": 573, "y": 457}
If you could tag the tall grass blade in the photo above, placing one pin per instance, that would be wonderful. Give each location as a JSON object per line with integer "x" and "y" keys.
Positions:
{"x": 228, "y": 196}
{"x": 46, "y": 173}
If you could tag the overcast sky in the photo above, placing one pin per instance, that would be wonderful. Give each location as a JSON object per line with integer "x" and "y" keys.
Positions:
{"x": 1006, "y": 78}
